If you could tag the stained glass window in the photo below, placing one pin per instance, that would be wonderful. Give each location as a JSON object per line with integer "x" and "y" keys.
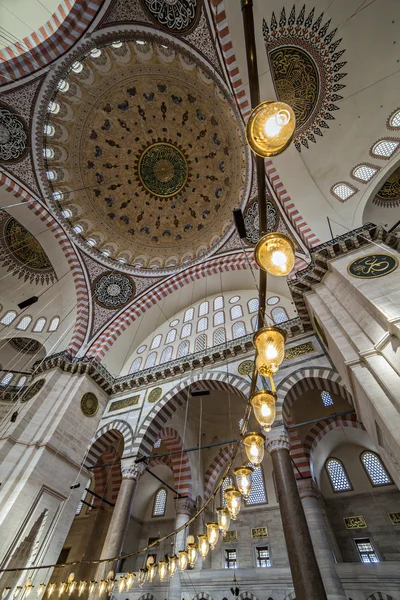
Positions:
{"x": 326, "y": 398}
{"x": 150, "y": 360}
{"x": 219, "y": 336}
{"x": 136, "y": 365}
{"x": 252, "y": 305}
{"x": 186, "y": 330}
{"x": 279, "y": 315}
{"x": 236, "y": 312}
{"x": 201, "y": 343}
{"x": 171, "y": 335}
{"x": 202, "y": 324}
{"x": 375, "y": 469}
{"x": 160, "y": 502}
{"x": 258, "y": 494}
{"x": 156, "y": 341}
{"x": 230, "y": 559}
{"x": 166, "y": 354}
{"x": 183, "y": 349}
{"x": 366, "y": 550}
{"x": 238, "y": 329}
{"x": 337, "y": 475}
{"x": 262, "y": 556}
{"x": 218, "y": 303}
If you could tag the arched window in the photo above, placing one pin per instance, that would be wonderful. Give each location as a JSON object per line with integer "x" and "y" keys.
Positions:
{"x": 219, "y": 318}
{"x": 157, "y": 444}
{"x": 384, "y": 148}
{"x": 136, "y": 365}
{"x": 166, "y": 354}
{"x": 258, "y": 494}
{"x": 63, "y": 86}
{"x": 364, "y": 172}
{"x": 203, "y": 308}
{"x": 48, "y": 153}
{"x": 83, "y": 497}
{"x": 79, "y": 229}
{"x": 51, "y": 175}
{"x": 141, "y": 349}
{"x": 160, "y": 501}
{"x": 201, "y": 343}
{"x": 40, "y": 323}
{"x": 254, "y": 323}
{"x": 253, "y": 305}
{"x": 8, "y": 317}
{"x": 337, "y": 475}
{"x": 53, "y": 107}
{"x": 171, "y": 335}
{"x": 21, "y": 381}
{"x": 188, "y": 315}
{"x": 394, "y": 120}
{"x": 156, "y": 341}
{"x": 374, "y": 468}
{"x": 49, "y": 130}
{"x": 279, "y": 314}
{"x": 7, "y": 379}
{"x": 236, "y": 312}
{"x": 77, "y": 67}
{"x": 238, "y": 329}
{"x": 326, "y": 398}
{"x": 24, "y": 323}
{"x": 219, "y": 336}
{"x": 54, "y": 324}
{"x": 150, "y": 360}
{"x": 272, "y": 300}
{"x": 183, "y": 349}
{"x": 227, "y": 482}
{"x": 202, "y": 324}
{"x": 186, "y": 330}
{"x": 95, "y": 53}
{"x": 343, "y": 191}
{"x": 218, "y": 303}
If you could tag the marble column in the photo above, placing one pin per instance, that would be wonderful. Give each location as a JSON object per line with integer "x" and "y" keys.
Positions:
{"x": 183, "y": 507}
{"x": 117, "y": 529}
{"x": 320, "y": 538}
{"x": 306, "y": 576}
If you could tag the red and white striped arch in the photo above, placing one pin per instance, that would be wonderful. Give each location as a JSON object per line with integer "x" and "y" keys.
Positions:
{"x": 82, "y": 296}
{"x": 215, "y": 469}
{"x": 179, "y": 462}
{"x": 114, "y": 434}
{"x": 36, "y": 51}
{"x": 107, "y": 480}
{"x": 301, "y": 463}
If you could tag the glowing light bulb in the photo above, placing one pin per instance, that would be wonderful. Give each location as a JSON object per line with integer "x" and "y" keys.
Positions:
{"x": 92, "y": 586}
{"x": 102, "y": 586}
{"x": 271, "y": 351}
{"x": 121, "y": 584}
{"x": 129, "y": 580}
{"x": 17, "y": 591}
{"x": 51, "y": 589}
{"x": 62, "y": 588}
{"x": 193, "y": 551}
{"x": 265, "y": 410}
{"x": 162, "y": 569}
{"x": 5, "y": 592}
{"x": 82, "y": 587}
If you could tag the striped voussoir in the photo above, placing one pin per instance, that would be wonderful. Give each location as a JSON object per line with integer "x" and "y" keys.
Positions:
{"x": 107, "y": 480}
{"x": 301, "y": 465}
{"x": 65, "y": 27}
{"x": 215, "y": 469}
{"x": 147, "y": 596}
{"x": 380, "y": 596}
{"x": 115, "y": 432}
{"x": 303, "y": 380}
{"x": 247, "y": 596}
{"x": 291, "y": 596}
{"x": 231, "y": 262}
{"x": 298, "y": 222}
{"x": 82, "y": 297}
{"x": 160, "y": 460}
{"x": 202, "y": 596}
{"x": 321, "y": 429}
{"x": 179, "y": 462}
{"x": 157, "y": 418}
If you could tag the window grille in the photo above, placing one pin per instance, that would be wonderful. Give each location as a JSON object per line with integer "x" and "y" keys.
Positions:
{"x": 7, "y": 379}
{"x": 219, "y": 318}
{"x": 160, "y": 502}
{"x": 9, "y": 317}
{"x": 183, "y": 349}
{"x": 202, "y": 324}
{"x": 254, "y": 323}
{"x": 203, "y": 309}
{"x": 366, "y": 550}
{"x": 337, "y": 475}
{"x": 49, "y": 130}
{"x": 262, "y": 556}
{"x": 258, "y": 494}
{"x": 279, "y": 315}
{"x": 83, "y": 498}
{"x": 343, "y": 191}
{"x": 40, "y": 323}
{"x": 171, "y": 336}
{"x": 77, "y": 67}
{"x": 253, "y": 305}
{"x": 166, "y": 354}
{"x": 395, "y": 119}
{"x": 51, "y": 175}
{"x": 157, "y": 444}
{"x": 48, "y": 153}
{"x": 24, "y": 323}
{"x": 201, "y": 343}
{"x": 238, "y": 329}
{"x": 21, "y": 381}
{"x": 230, "y": 559}
{"x": 174, "y": 323}
{"x": 156, "y": 342}
{"x": 364, "y": 172}
{"x": 141, "y": 349}
{"x": 227, "y": 482}
{"x": 234, "y": 299}
{"x": 186, "y": 330}
{"x": 218, "y": 303}
{"x": 272, "y": 300}
{"x": 136, "y": 365}
{"x": 385, "y": 148}
{"x": 188, "y": 315}
{"x": 326, "y": 398}
{"x": 236, "y": 312}
{"x": 151, "y": 360}
{"x": 375, "y": 469}
{"x": 219, "y": 336}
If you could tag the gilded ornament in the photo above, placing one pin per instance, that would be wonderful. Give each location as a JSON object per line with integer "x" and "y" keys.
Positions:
{"x": 252, "y": 223}
{"x": 355, "y": 522}
{"x": 154, "y": 395}
{"x": 32, "y": 390}
{"x": 163, "y": 170}
{"x": 25, "y": 345}
{"x": 230, "y": 536}
{"x": 13, "y": 136}
{"x": 178, "y": 16}
{"x": 113, "y": 290}
{"x": 389, "y": 194}
{"x": 125, "y": 403}
{"x": 89, "y": 404}
{"x": 246, "y": 367}
{"x": 371, "y": 266}
{"x": 299, "y": 350}
{"x": 395, "y": 518}
{"x": 259, "y": 532}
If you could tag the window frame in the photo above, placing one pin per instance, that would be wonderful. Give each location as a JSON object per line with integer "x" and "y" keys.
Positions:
{"x": 233, "y": 308}
{"x": 252, "y": 312}
{"x": 181, "y": 344}
{"x": 220, "y": 327}
{"x": 42, "y": 328}
{"x": 12, "y": 320}
{"x": 246, "y": 505}
{"x": 227, "y": 560}
{"x": 221, "y": 297}
{"x": 237, "y": 337}
{"x": 171, "y": 332}
{"x": 330, "y": 396}
{"x": 156, "y": 341}
{"x": 390, "y": 139}
{"x": 196, "y": 343}
{"x": 18, "y": 325}
{"x": 202, "y": 312}
{"x": 376, "y": 485}
{"x": 258, "y": 558}
{"x": 151, "y": 354}
{"x": 162, "y": 361}
{"x": 51, "y": 321}
{"x": 155, "y": 500}
{"x": 350, "y": 489}
{"x": 202, "y": 320}
{"x": 366, "y": 540}
{"x": 187, "y": 319}
{"x": 186, "y": 327}
{"x": 280, "y": 309}
{"x": 137, "y": 358}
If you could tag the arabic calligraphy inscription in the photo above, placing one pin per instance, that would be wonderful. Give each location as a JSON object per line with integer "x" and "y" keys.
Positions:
{"x": 373, "y": 265}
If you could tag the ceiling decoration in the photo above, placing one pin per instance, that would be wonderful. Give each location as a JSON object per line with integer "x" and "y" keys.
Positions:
{"x": 21, "y": 253}
{"x": 389, "y": 194}
{"x": 178, "y": 16}
{"x": 306, "y": 68}
{"x": 157, "y": 151}
{"x": 252, "y": 224}
{"x": 25, "y": 345}
{"x": 113, "y": 290}
{"x": 13, "y": 136}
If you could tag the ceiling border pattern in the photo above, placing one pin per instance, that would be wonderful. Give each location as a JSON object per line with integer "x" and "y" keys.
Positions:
{"x": 221, "y": 22}
{"x": 82, "y": 307}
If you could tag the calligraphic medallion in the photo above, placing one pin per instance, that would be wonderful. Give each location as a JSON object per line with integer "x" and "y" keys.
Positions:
{"x": 89, "y": 404}
{"x": 373, "y": 265}
{"x": 230, "y": 536}
{"x": 259, "y": 532}
{"x": 163, "y": 170}
{"x": 395, "y": 518}
{"x": 33, "y": 390}
{"x": 357, "y": 522}
{"x": 154, "y": 395}
{"x": 125, "y": 403}
{"x": 246, "y": 367}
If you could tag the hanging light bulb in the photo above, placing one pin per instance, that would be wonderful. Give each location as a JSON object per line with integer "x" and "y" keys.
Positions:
{"x": 172, "y": 565}
{"x": 243, "y": 480}
{"x": 51, "y": 589}
{"x": 110, "y": 584}
{"x": 130, "y": 580}
{"x": 233, "y": 500}
{"x": 5, "y": 592}
{"x": 151, "y": 571}
{"x": 102, "y": 586}
{"x": 204, "y": 546}
{"x": 162, "y": 569}
{"x": 183, "y": 559}
{"x": 142, "y": 577}
{"x": 17, "y": 591}
{"x": 224, "y": 520}
{"x": 92, "y": 586}
{"x": 190, "y": 540}
{"x": 193, "y": 551}
{"x": 121, "y": 584}
{"x": 81, "y": 587}
{"x": 71, "y": 584}
{"x": 254, "y": 446}
{"x": 62, "y": 587}
{"x": 212, "y": 534}
{"x": 28, "y": 587}
{"x": 270, "y": 350}
{"x": 270, "y": 128}
{"x": 263, "y": 403}
{"x": 275, "y": 253}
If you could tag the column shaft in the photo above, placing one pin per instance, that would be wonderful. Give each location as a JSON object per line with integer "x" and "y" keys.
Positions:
{"x": 183, "y": 508}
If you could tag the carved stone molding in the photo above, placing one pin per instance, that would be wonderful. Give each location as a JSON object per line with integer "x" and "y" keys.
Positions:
{"x": 307, "y": 488}
{"x": 131, "y": 470}
{"x": 277, "y": 439}
{"x": 184, "y": 506}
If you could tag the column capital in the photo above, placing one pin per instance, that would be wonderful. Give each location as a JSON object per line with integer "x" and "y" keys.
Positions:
{"x": 184, "y": 506}
{"x": 130, "y": 469}
{"x": 277, "y": 439}
{"x": 307, "y": 488}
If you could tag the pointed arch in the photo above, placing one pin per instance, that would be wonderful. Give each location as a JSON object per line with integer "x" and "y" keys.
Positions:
{"x": 214, "y": 469}
{"x": 291, "y": 596}
{"x": 380, "y": 596}
{"x": 202, "y": 596}
{"x": 321, "y": 429}
{"x": 179, "y": 462}
{"x": 247, "y": 596}
{"x": 110, "y": 434}
{"x": 147, "y": 596}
